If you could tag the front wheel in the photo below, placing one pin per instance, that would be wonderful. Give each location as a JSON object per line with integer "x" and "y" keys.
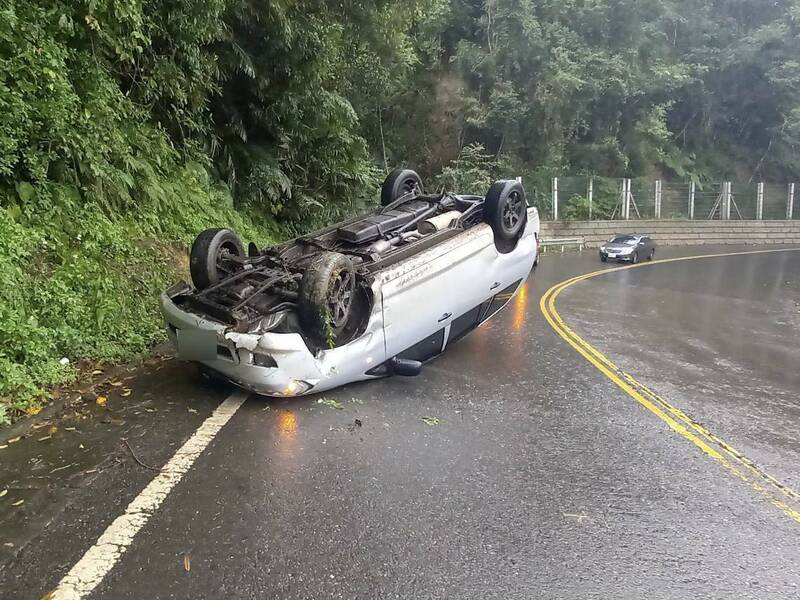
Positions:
{"x": 328, "y": 301}
{"x": 635, "y": 258}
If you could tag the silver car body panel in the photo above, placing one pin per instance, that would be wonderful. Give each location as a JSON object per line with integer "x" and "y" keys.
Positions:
{"x": 411, "y": 300}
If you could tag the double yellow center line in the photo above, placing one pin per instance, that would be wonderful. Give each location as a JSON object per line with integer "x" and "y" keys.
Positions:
{"x": 777, "y": 493}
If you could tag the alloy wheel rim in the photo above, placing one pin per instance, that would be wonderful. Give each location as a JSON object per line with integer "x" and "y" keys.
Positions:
{"x": 341, "y": 298}
{"x": 512, "y": 211}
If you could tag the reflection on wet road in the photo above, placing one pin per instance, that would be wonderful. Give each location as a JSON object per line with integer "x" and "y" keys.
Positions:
{"x": 538, "y": 477}
{"x": 721, "y": 343}
{"x": 778, "y": 493}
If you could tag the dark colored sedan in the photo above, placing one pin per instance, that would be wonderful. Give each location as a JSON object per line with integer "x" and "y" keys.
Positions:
{"x": 632, "y": 248}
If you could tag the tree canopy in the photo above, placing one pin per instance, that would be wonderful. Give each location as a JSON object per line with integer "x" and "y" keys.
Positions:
{"x": 294, "y": 104}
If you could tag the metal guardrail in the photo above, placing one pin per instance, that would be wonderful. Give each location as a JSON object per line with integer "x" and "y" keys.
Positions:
{"x": 563, "y": 242}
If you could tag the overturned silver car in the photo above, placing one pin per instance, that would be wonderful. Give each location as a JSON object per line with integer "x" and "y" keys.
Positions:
{"x": 377, "y": 295}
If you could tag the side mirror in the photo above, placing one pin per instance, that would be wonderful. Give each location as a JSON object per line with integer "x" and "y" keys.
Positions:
{"x": 404, "y": 367}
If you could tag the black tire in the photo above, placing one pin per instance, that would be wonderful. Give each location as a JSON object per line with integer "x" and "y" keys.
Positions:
{"x": 635, "y": 257}
{"x": 207, "y": 249}
{"x": 652, "y": 254}
{"x": 327, "y": 302}
{"x": 506, "y": 211}
{"x": 603, "y": 259}
{"x": 398, "y": 183}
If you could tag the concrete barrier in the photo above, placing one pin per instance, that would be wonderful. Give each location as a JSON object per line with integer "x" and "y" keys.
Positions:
{"x": 678, "y": 233}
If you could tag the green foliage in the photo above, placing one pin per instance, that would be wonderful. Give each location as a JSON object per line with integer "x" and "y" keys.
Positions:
{"x": 472, "y": 172}
{"x": 127, "y": 126}
{"x": 81, "y": 285}
{"x": 625, "y": 88}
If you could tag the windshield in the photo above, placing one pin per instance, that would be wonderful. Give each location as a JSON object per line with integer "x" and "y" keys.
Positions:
{"x": 628, "y": 240}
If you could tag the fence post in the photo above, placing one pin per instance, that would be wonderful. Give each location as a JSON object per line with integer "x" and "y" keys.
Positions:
{"x": 555, "y": 198}
{"x": 627, "y": 206}
{"x": 657, "y": 210}
{"x": 790, "y": 203}
{"x": 760, "y": 202}
{"x": 591, "y": 193}
{"x": 726, "y": 199}
{"x": 691, "y": 201}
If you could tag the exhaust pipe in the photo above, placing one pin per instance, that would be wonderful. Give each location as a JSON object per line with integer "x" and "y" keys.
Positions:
{"x": 438, "y": 223}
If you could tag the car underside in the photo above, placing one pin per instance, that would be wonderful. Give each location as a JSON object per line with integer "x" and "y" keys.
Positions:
{"x": 319, "y": 285}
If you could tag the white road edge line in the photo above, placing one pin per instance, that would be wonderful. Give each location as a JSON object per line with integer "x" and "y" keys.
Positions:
{"x": 90, "y": 570}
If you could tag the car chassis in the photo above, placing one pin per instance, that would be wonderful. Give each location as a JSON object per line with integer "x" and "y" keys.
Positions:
{"x": 346, "y": 303}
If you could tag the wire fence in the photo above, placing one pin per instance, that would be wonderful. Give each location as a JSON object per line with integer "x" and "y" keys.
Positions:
{"x": 582, "y": 198}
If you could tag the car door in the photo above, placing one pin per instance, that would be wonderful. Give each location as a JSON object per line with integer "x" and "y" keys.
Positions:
{"x": 647, "y": 246}
{"x": 641, "y": 247}
{"x": 425, "y": 294}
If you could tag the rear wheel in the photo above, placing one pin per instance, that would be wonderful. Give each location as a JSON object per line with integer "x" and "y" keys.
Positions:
{"x": 506, "y": 211}
{"x": 398, "y": 183}
{"x": 207, "y": 254}
{"x": 652, "y": 254}
{"x": 329, "y": 305}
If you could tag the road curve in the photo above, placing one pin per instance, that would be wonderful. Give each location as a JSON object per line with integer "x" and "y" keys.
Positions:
{"x": 542, "y": 478}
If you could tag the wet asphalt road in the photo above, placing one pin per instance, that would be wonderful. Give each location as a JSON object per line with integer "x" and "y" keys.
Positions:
{"x": 541, "y": 480}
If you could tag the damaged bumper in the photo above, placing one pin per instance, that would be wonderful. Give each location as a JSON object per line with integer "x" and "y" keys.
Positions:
{"x": 274, "y": 364}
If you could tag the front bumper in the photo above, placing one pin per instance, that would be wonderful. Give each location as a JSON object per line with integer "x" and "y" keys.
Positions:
{"x": 297, "y": 372}
{"x": 617, "y": 257}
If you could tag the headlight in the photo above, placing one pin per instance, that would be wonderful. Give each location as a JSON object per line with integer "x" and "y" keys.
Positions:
{"x": 295, "y": 387}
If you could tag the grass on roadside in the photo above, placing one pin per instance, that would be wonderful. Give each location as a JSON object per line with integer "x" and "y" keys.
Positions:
{"x": 80, "y": 285}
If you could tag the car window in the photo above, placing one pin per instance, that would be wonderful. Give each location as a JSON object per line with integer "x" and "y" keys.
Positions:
{"x": 624, "y": 239}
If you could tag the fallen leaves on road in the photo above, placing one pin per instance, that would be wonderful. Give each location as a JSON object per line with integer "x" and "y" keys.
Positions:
{"x": 33, "y": 410}
{"x": 116, "y": 383}
{"x": 3, "y": 493}
{"x": 47, "y": 437}
{"x": 18, "y": 503}
{"x": 97, "y": 372}
{"x": 431, "y": 421}
{"x": 331, "y": 402}
{"x": 126, "y": 392}
{"x": 187, "y": 564}
{"x": 101, "y": 400}
{"x": 14, "y": 440}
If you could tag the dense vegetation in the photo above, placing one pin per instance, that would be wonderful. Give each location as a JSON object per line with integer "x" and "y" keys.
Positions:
{"x": 128, "y": 125}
